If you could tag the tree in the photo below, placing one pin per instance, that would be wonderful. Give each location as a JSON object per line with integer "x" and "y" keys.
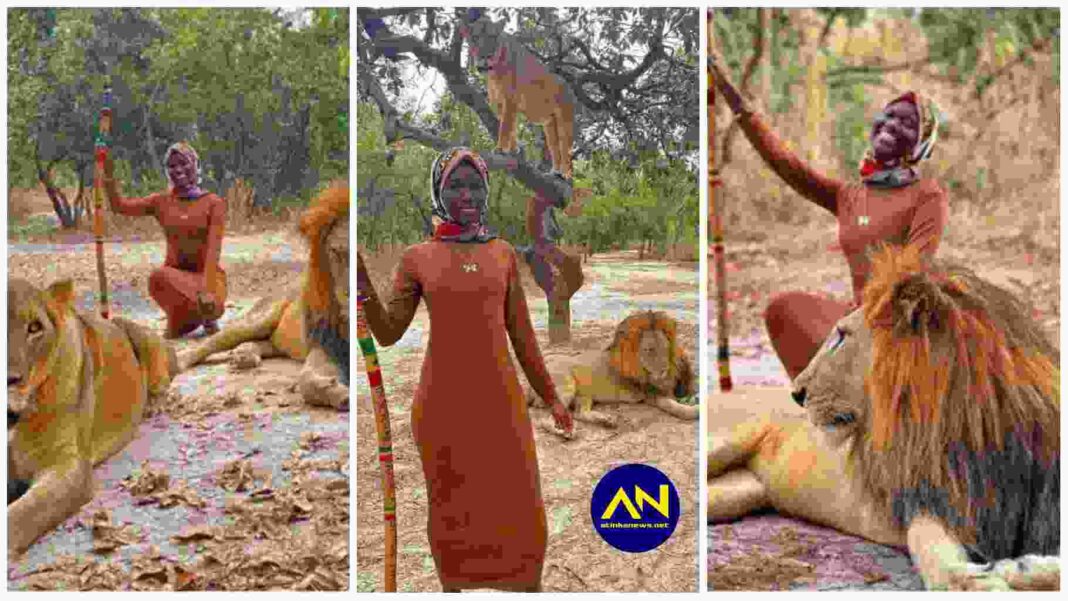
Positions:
{"x": 262, "y": 95}
{"x": 633, "y": 73}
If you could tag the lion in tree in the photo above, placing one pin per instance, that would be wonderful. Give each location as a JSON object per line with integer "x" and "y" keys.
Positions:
{"x": 309, "y": 322}
{"x": 517, "y": 82}
{"x": 644, "y": 363}
{"x": 933, "y": 422}
{"x": 77, "y": 388}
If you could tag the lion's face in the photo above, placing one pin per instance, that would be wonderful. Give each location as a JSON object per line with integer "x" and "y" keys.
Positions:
{"x": 832, "y": 388}
{"x": 645, "y": 353}
{"x": 32, "y": 331}
{"x": 483, "y": 39}
{"x": 654, "y": 353}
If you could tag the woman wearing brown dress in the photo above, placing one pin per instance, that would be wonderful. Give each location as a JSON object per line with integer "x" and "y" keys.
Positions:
{"x": 190, "y": 287}
{"x": 486, "y": 518}
{"x": 891, "y": 204}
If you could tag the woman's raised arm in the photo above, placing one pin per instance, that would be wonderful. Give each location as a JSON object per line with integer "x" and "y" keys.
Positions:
{"x": 131, "y": 207}
{"x": 808, "y": 182}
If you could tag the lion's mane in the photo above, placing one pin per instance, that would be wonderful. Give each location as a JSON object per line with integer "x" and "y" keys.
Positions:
{"x": 325, "y": 319}
{"x": 965, "y": 407}
{"x": 623, "y": 355}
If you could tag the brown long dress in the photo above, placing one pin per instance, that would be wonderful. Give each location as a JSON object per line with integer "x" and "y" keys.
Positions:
{"x": 194, "y": 230}
{"x": 915, "y": 214}
{"x": 486, "y": 519}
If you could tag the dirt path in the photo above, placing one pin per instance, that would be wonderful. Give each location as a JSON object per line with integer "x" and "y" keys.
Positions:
{"x": 577, "y": 559}
{"x": 233, "y": 484}
{"x": 773, "y": 552}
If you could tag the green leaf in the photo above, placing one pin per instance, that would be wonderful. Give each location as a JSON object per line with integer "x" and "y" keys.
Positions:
{"x": 561, "y": 519}
{"x": 365, "y": 582}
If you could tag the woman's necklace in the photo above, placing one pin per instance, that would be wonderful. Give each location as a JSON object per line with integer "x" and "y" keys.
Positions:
{"x": 864, "y": 218}
{"x": 469, "y": 265}
{"x": 185, "y": 206}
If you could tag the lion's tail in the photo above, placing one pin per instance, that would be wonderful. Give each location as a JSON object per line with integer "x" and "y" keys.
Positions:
{"x": 157, "y": 358}
{"x": 257, "y": 325}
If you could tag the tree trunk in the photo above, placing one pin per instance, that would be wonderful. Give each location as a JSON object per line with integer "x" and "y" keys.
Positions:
{"x": 559, "y": 321}
{"x": 60, "y": 204}
{"x": 558, "y": 273}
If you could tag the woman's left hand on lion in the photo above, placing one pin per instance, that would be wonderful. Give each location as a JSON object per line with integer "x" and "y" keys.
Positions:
{"x": 206, "y": 304}
{"x": 562, "y": 417}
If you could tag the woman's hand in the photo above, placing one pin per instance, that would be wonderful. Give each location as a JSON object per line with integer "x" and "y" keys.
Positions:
{"x": 731, "y": 94}
{"x": 562, "y": 417}
{"x": 206, "y": 305}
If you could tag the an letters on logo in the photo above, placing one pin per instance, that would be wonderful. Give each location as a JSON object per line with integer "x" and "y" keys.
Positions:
{"x": 641, "y": 497}
{"x": 627, "y": 516}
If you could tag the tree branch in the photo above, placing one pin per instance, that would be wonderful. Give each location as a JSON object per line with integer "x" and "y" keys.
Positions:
{"x": 743, "y": 87}
{"x": 548, "y": 186}
{"x": 878, "y": 67}
{"x": 451, "y": 70}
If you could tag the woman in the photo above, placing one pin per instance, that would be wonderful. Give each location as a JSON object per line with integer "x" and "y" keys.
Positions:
{"x": 890, "y": 204}
{"x": 190, "y": 287}
{"x": 486, "y": 520}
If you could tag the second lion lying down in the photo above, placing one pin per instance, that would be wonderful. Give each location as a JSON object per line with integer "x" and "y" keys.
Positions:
{"x": 644, "y": 363}
{"x": 77, "y": 388}
{"x": 933, "y": 421}
{"x": 309, "y": 322}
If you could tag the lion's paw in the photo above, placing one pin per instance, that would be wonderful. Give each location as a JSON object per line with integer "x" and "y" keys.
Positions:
{"x": 977, "y": 578}
{"x": 1030, "y": 572}
{"x": 243, "y": 359}
{"x": 185, "y": 359}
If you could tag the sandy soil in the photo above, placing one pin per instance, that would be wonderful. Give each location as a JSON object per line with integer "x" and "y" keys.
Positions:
{"x": 233, "y": 484}
{"x": 577, "y": 559}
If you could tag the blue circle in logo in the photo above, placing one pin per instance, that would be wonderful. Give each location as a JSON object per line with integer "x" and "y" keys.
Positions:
{"x": 635, "y": 507}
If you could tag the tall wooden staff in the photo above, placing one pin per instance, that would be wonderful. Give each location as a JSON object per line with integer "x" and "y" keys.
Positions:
{"x": 385, "y": 442}
{"x": 101, "y": 149}
{"x": 715, "y": 228}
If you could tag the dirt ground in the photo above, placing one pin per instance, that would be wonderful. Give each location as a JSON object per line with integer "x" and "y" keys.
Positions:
{"x": 577, "y": 559}
{"x": 232, "y": 483}
{"x": 1016, "y": 249}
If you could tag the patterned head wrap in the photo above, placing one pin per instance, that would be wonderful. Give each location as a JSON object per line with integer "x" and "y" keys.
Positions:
{"x": 443, "y": 166}
{"x": 187, "y": 152}
{"x": 873, "y": 172}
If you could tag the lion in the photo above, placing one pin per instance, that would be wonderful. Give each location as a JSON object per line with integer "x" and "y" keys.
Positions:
{"x": 644, "y": 363}
{"x": 77, "y": 389}
{"x": 933, "y": 422}
{"x": 517, "y": 82}
{"x": 308, "y": 322}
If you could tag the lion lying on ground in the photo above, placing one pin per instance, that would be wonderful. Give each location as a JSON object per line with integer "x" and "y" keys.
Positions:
{"x": 309, "y": 322}
{"x": 517, "y": 82}
{"x": 933, "y": 422}
{"x": 77, "y": 388}
{"x": 644, "y": 363}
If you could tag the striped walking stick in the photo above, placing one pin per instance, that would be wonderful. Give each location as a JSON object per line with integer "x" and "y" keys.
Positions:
{"x": 385, "y": 442}
{"x": 101, "y": 148}
{"x": 715, "y": 228}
